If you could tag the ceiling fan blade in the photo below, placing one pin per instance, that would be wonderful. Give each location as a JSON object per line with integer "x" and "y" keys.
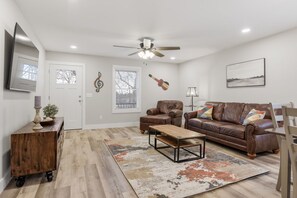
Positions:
{"x": 126, "y": 47}
{"x": 168, "y": 48}
{"x": 157, "y": 53}
{"x": 134, "y": 53}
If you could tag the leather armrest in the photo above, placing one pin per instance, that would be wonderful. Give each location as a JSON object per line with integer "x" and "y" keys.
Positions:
{"x": 258, "y": 127}
{"x": 189, "y": 115}
{"x": 153, "y": 111}
{"x": 174, "y": 113}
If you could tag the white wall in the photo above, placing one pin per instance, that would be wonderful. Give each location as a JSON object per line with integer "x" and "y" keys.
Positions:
{"x": 280, "y": 52}
{"x": 16, "y": 108}
{"x": 101, "y": 103}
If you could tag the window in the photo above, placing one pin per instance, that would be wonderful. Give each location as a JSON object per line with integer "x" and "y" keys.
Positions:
{"x": 126, "y": 89}
{"x": 65, "y": 76}
{"x": 29, "y": 72}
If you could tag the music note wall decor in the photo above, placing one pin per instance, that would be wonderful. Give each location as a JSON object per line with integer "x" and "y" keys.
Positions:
{"x": 98, "y": 83}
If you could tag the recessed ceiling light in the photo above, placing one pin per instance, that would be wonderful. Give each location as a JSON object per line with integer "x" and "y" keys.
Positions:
{"x": 172, "y": 58}
{"x": 73, "y": 46}
{"x": 245, "y": 30}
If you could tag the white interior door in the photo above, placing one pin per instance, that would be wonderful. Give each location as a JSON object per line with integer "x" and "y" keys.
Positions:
{"x": 66, "y": 93}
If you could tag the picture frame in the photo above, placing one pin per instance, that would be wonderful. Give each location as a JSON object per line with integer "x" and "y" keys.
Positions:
{"x": 250, "y": 73}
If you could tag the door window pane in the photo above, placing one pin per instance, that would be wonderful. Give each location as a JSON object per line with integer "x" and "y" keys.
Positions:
{"x": 65, "y": 76}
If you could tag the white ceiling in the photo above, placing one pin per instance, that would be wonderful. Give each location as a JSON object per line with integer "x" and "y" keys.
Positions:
{"x": 199, "y": 27}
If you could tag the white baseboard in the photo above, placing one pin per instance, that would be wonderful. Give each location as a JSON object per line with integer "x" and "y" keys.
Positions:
{"x": 5, "y": 180}
{"x": 111, "y": 125}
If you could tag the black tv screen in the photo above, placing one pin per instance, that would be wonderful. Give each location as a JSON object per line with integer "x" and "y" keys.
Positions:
{"x": 23, "y": 68}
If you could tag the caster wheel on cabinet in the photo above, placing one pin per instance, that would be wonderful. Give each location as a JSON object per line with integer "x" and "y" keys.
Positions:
{"x": 49, "y": 176}
{"x": 20, "y": 181}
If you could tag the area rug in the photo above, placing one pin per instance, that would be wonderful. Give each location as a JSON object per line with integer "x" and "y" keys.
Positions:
{"x": 152, "y": 175}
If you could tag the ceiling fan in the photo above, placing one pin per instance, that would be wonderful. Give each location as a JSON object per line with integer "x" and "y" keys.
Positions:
{"x": 147, "y": 49}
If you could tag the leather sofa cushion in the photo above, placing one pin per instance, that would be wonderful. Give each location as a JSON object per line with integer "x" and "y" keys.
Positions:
{"x": 218, "y": 109}
{"x": 156, "y": 119}
{"x": 165, "y": 106}
{"x": 233, "y": 130}
{"x": 197, "y": 122}
{"x": 232, "y": 112}
{"x": 260, "y": 107}
{"x": 213, "y": 125}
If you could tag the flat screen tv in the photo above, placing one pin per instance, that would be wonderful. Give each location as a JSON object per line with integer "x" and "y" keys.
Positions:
{"x": 23, "y": 69}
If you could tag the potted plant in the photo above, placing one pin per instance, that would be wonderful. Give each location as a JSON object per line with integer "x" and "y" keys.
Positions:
{"x": 50, "y": 110}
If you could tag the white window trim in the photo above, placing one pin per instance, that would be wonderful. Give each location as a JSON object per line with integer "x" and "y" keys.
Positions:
{"x": 138, "y": 89}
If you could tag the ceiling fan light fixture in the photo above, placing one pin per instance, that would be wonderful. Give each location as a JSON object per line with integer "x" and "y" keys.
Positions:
{"x": 141, "y": 54}
{"x": 146, "y": 54}
{"x": 147, "y": 49}
{"x": 152, "y": 54}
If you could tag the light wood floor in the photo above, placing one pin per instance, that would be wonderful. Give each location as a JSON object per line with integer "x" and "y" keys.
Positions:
{"x": 87, "y": 170}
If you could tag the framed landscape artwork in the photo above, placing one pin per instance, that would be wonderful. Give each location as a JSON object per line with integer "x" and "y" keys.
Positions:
{"x": 246, "y": 74}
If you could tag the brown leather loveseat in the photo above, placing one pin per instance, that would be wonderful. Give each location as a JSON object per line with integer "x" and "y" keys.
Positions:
{"x": 226, "y": 127}
{"x": 166, "y": 112}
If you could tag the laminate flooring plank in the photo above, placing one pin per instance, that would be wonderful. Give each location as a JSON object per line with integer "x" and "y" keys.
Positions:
{"x": 94, "y": 144}
{"x": 107, "y": 173}
{"x": 111, "y": 172}
{"x": 45, "y": 190}
{"x": 10, "y": 191}
{"x": 63, "y": 192}
{"x": 93, "y": 182}
{"x": 78, "y": 188}
{"x": 63, "y": 178}
{"x": 109, "y": 133}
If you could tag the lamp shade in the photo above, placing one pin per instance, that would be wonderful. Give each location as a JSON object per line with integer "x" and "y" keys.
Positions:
{"x": 192, "y": 92}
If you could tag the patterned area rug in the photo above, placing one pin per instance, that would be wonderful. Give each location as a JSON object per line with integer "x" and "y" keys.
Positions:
{"x": 153, "y": 175}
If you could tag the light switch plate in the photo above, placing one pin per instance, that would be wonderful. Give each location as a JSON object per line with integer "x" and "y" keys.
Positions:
{"x": 89, "y": 95}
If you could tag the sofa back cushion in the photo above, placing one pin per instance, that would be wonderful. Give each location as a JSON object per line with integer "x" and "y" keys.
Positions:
{"x": 232, "y": 112}
{"x": 218, "y": 109}
{"x": 165, "y": 106}
{"x": 260, "y": 107}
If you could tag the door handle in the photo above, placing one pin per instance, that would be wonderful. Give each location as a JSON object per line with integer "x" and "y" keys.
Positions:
{"x": 79, "y": 100}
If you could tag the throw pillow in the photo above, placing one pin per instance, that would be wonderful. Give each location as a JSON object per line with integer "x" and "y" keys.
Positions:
{"x": 205, "y": 112}
{"x": 254, "y": 115}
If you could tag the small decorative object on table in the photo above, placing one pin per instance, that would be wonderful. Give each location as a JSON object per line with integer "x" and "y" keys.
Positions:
{"x": 50, "y": 111}
{"x": 37, "y": 119}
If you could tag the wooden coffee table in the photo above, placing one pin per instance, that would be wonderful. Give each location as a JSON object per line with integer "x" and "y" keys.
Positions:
{"x": 178, "y": 138}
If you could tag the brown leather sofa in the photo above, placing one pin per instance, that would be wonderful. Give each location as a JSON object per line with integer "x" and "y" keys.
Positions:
{"x": 226, "y": 127}
{"x": 166, "y": 112}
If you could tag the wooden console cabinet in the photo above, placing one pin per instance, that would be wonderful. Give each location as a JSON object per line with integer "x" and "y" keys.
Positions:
{"x": 36, "y": 151}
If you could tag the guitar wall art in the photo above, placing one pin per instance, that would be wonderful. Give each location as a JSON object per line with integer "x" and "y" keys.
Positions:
{"x": 161, "y": 83}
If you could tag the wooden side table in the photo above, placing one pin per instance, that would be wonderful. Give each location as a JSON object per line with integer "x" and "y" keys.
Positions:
{"x": 36, "y": 151}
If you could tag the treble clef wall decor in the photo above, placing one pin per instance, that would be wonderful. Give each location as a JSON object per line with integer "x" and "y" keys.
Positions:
{"x": 98, "y": 83}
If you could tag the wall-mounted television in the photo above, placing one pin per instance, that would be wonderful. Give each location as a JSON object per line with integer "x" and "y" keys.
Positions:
{"x": 23, "y": 68}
